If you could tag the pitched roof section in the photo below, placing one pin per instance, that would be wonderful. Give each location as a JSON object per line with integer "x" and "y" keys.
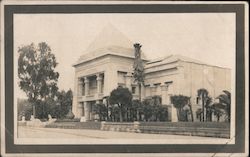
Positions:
{"x": 171, "y": 59}
{"x": 109, "y": 41}
{"x": 108, "y": 37}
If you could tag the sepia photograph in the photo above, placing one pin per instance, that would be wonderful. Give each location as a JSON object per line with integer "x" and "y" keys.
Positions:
{"x": 86, "y": 75}
{"x": 108, "y": 76}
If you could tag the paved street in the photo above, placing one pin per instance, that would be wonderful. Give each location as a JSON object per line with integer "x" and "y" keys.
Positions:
{"x": 56, "y": 133}
{"x": 32, "y": 132}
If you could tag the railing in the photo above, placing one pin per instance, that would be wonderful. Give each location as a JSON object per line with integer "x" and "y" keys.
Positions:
{"x": 90, "y": 97}
{"x": 92, "y": 91}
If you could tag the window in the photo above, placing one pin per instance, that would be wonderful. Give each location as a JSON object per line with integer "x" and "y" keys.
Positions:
{"x": 133, "y": 90}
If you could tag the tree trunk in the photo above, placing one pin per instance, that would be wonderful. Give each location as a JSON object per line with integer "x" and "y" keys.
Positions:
{"x": 191, "y": 110}
{"x": 121, "y": 118}
{"x": 34, "y": 110}
{"x": 178, "y": 114}
{"x": 203, "y": 110}
{"x": 107, "y": 112}
{"x": 138, "y": 116}
{"x": 44, "y": 112}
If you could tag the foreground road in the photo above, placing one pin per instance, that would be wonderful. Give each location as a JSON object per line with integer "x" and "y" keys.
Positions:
{"x": 58, "y": 133}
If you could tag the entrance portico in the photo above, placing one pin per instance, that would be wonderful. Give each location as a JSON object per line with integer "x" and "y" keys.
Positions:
{"x": 90, "y": 91}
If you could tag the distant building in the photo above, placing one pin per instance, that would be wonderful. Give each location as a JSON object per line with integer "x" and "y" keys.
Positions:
{"x": 108, "y": 63}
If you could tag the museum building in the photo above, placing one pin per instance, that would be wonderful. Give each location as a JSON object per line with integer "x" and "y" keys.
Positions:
{"x": 108, "y": 63}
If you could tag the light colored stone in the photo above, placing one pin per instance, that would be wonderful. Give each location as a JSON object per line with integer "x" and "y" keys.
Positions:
{"x": 23, "y": 118}
{"x": 82, "y": 119}
{"x": 178, "y": 75}
{"x": 174, "y": 117}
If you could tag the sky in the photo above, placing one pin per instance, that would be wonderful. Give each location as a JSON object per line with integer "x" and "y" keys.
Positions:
{"x": 208, "y": 37}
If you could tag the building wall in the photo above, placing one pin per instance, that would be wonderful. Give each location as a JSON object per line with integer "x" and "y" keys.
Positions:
{"x": 154, "y": 81}
{"x": 164, "y": 80}
{"x": 114, "y": 69}
{"x": 86, "y": 69}
{"x": 196, "y": 76}
{"x": 213, "y": 79}
{"x": 187, "y": 78}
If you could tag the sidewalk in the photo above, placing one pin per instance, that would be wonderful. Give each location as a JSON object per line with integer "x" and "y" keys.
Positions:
{"x": 72, "y": 136}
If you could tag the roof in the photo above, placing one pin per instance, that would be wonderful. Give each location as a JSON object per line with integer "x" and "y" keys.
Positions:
{"x": 174, "y": 58}
{"x": 170, "y": 59}
{"x": 108, "y": 37}
{"x": 109, "y": 41}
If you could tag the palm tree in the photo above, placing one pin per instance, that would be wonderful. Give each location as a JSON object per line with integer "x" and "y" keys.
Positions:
{"x": 217, "y": 110}
{"x": 179, "y": 102}
{"x": 136, "y": 108}
{"x": 225, "y": 103}
{"x": 147, "y": 109}
{"x": 191, "y": 110}
{"x": 208, "y": 108}
{"x": 156, "y": 103}
{"x": 138, "y": 70}
{"x": 203, "y": 96}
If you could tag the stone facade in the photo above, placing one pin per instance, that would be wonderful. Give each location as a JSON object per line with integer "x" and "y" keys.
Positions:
{"x": 103, "y": 69}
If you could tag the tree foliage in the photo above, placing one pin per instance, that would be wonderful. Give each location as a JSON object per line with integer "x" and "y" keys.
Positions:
{"x": 203, "y": 95}
{"x": 179, "y": 102}
{"x": 136, "y": 110}
{"x": 224, "y": 103}
{"x": 57, "y": 107}
{"x": 217, "y": 110}
{"x": 153, "y": 110}
{"x": 36, "y": 71}
{"x": 24, "y": 108}
{"x": 138, "y": 73}
{"x": 101, "y": 111}
{"x": 138, "y": 65}
{"x": 121, "y": 97}
{"x": 64, "y": 99}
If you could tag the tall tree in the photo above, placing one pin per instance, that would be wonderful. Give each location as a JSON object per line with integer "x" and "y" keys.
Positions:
{"x": 101, "y": 111}
{"x": 217, "y": 109}
{"x": 138, "y": 70}
{"x": 225, "y": 103}
{"x": 203, "y": 96}
{"x": 153, "y": 110}
{"x": 137, "y": 110}
{"x": 121, "y": 97}
{"x": 36, "y": 71}
{"x": 138, "y": 67}
{"x": 64, "y": 100}
{"x": 179, "y": 101}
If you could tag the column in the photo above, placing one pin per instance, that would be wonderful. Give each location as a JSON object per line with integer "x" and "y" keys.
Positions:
{"x": 169, "y": 93}
{"x": 152, "y": 89}
{"x": 86, "y": 82}
{"x": 80, "y": 109}
{"x": 99, "y": 83}
{"x": 164, "y": 94}
{"x": 174, "y": 117}
{"x": 91, "y": 116}
{"x": 80, "y": 83}
{"x": 86, "y": 111}
{"x": 128, "y": 78}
